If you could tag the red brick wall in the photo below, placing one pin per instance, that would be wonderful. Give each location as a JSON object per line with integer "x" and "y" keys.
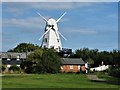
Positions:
{"x": 66, "y": 68}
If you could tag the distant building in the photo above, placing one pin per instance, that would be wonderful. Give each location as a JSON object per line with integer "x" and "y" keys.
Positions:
{"x": 72, "y": 65}
{"x": 12, "y": 58}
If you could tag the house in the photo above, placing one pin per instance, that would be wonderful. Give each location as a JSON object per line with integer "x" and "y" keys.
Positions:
{"x": 12, "y": 58}
{"x": 72, "y": 65}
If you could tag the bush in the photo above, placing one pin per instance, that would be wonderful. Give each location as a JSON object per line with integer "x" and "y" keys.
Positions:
{"x": 14, "y": 68}
{"x": 2, "y": 68}
{"x": 115, "y": 72}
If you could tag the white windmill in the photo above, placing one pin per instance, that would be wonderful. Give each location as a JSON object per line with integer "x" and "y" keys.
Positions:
{"x": 51, "y": 37}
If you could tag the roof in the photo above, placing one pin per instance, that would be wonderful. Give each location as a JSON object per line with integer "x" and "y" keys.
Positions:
{"x": 12, "y": 55}
{"x": 72, "y": 61}
{"x": 12, "y": 61}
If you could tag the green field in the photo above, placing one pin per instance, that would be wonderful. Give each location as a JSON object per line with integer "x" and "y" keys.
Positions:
{"x": 52, "y": 81}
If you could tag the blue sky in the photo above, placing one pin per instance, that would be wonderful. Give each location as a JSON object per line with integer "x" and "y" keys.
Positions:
{"x": 87, "y": 24}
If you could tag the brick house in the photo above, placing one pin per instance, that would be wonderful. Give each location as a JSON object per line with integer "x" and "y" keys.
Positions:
{"x": 72, "y": 65}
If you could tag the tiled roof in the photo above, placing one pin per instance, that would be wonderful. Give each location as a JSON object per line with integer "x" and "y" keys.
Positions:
{"x": 12, "y": 55}
{"x": 73, "y": 61}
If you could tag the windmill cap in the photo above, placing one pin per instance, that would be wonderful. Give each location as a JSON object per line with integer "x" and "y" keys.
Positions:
{"x": 51, "y": 21}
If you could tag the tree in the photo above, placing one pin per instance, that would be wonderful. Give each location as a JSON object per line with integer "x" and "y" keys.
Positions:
{"x": 24, "y": 47}
{"x": 42, "y": 61}
{"x": 90, "y": 61}
{"x": 51, "y": 61}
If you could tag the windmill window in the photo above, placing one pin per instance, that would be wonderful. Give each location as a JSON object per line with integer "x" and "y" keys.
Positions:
{"x": 58, "y": 40}
{"x": 59, "y": 47}
{"x": 44, "y": 46}
{"x": 49, "y": 25}
{"x": 45, "y": 40}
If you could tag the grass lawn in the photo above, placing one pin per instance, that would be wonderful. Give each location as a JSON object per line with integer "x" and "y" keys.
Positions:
{"x": 52, "y": 81}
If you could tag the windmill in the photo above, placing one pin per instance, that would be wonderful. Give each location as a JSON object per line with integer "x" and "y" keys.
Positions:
{"x": 51, "y": 38}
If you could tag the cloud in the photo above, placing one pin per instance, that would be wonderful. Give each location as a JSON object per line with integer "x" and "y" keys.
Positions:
{"x": 81, "y": 31}
{"x": 15, "y": 11}
{"x": 31, "y": 22}
{"x": 20, "y": 8}
{"x": 59, "y": 5}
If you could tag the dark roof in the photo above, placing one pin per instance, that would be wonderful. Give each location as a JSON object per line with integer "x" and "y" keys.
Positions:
{"x": 72, "y": 61}
{"x": 12, "y": 55}
{"x": 12, "y": 61}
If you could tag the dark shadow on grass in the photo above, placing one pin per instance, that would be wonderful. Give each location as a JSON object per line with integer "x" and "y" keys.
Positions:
{"x": 109, "y": 80}
{"x": 115, "y": 81}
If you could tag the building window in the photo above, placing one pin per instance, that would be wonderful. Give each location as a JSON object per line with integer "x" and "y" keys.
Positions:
{"x": 86, "y": 65}
{"x": 61, "y": 67}
{"x": 18, "y": 65}
{"x": 71, "y": 66}
{"x": 8, "y": 66}
{"x": 79, "y": 66}
{"x": 8, "y": 59}
{"x": 18, "y": 57}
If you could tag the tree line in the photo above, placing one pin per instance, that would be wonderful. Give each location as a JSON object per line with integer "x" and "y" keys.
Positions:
{"x": 48, "y": 60}
{"x": 93, "y": 56}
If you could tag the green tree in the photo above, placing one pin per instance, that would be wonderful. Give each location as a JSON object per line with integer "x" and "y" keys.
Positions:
{"x": 51, "y": 61}
{"x": 42, "y": 61}
{"x": 24, "y": 47}
{"x": 90, "y": 61}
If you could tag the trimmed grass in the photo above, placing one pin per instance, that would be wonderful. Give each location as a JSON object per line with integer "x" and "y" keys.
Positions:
{"x": 52, "y": 81}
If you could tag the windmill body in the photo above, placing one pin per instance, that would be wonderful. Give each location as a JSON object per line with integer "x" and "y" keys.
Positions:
{"x": 51, "y": 38}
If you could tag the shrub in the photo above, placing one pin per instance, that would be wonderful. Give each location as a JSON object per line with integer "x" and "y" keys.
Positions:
{"x": 115, "y": 72}
{"x": 2, "y": 68}
{"x": 14, "y": 68}
{"x": 70, "y": 72}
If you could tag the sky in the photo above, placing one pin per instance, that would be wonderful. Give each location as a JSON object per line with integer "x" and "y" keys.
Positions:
{"x": 92, "y": 25}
